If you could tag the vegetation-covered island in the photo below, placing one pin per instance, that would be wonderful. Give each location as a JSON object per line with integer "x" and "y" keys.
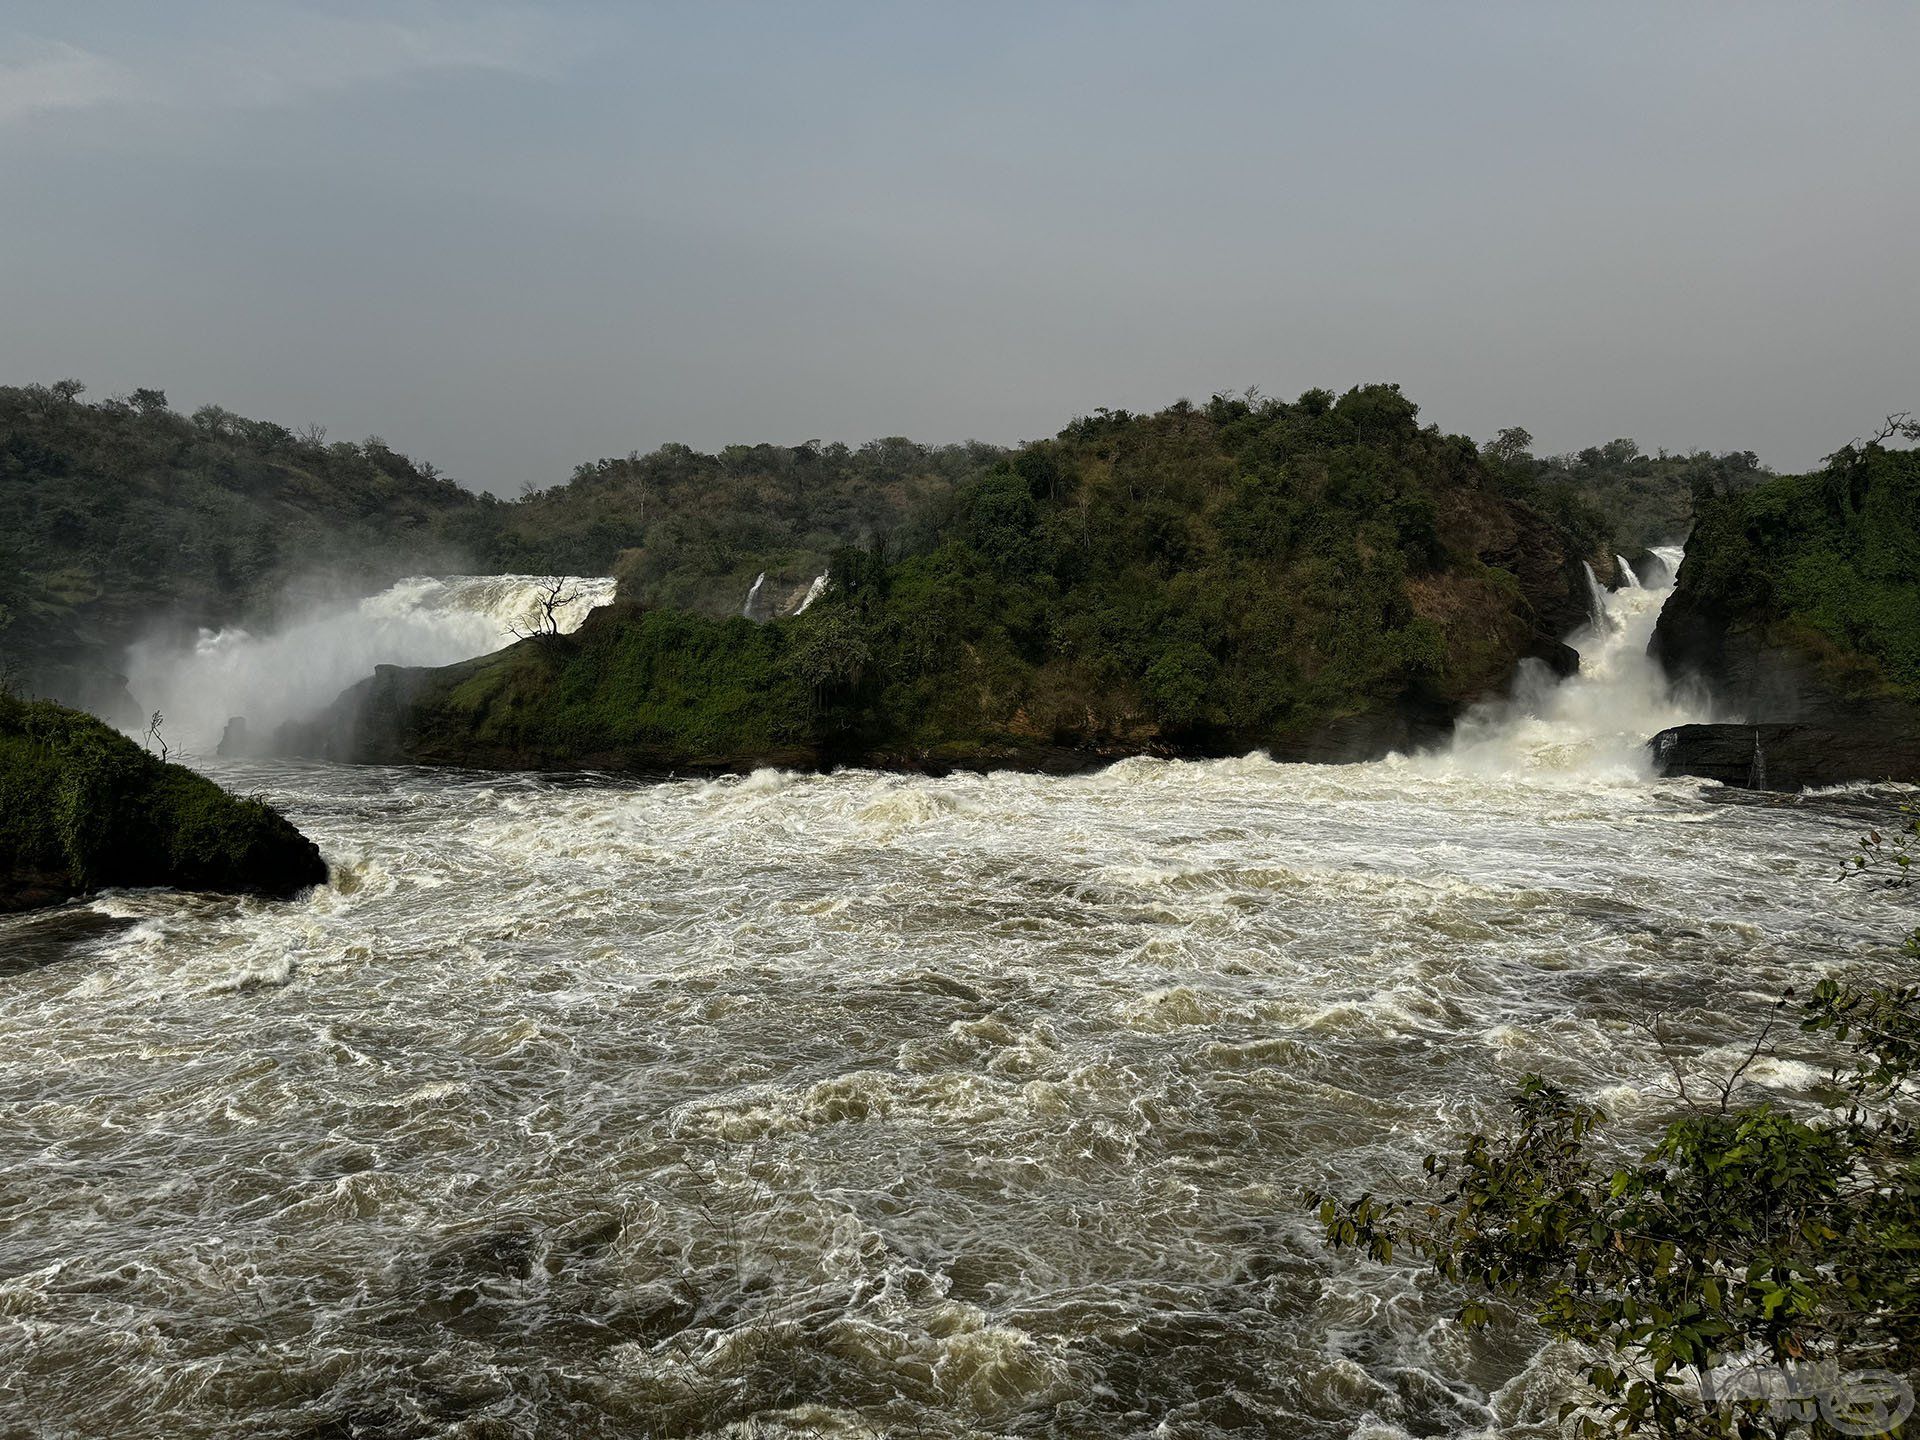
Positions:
{"x": 1325, "y": 578}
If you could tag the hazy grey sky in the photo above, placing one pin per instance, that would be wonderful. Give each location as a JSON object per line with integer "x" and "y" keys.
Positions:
{"x": 509, "y": 238}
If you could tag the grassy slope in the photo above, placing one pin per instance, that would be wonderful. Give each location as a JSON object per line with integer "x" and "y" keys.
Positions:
{"x": 690, "y": 531}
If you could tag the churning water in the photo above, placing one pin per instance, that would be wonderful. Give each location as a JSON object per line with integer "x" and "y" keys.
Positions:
{"x": 853, "y": 1104}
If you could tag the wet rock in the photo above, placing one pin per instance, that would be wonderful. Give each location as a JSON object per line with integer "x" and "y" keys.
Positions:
{"x": 1774, "y": 756}
{"x": 1650, "y": 569}
{"x": 234, "y": 740}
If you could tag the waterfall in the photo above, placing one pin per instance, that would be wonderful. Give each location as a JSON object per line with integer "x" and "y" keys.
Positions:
{"x": 1627, "y": 577}
{"x": 1593, "y": 725}
{"x": 753, "y": 596}
{"x": 295, "y": 669}
{"x": 814, "y": 592}
{"x": 1598, "y": 614}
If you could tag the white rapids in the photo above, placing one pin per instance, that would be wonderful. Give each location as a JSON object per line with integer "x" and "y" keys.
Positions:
{"x": 1595, "y": 724}
{"x": 862, "y": 1104}
{"x": 294, "y": 670}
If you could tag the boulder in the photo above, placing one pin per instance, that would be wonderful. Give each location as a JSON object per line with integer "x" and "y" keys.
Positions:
{"x": 83, "y": 808}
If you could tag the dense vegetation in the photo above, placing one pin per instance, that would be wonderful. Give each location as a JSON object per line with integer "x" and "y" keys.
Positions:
{"x": 1756, "y": 1271}
{"x": 1615, "y": 497}
{"x": 1828, "y": 563}
{"x": 118, "y": 512}
{"x": 692, "y": 531}
{"x": 82, "y": 807}
{"x": 1315, "y": 576}
{"x": 114, "y": 513}
{"x": 1240, "y": 570}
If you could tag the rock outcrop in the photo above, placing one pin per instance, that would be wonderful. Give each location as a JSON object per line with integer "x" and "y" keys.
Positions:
{"x": 1325, "y": 580}
{"x": 1786, "y": 757}
{"x": 1798, "y": 608}
{"x": 83, "y": 808}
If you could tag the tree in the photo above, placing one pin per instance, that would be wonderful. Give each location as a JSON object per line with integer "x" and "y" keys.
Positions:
{"x": 1756, "y": 1272}
{"x": 154, "y": 740}
{"x": 1901, "y": 427}
{"x": 1511, "y": 444}
{"x": 830, "y": 653}
{"x": 553, "y": 594}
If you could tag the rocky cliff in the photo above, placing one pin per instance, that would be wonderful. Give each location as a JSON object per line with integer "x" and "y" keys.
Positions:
{"x": 1798, "y": 606}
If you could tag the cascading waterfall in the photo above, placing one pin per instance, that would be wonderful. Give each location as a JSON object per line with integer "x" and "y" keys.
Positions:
{"x": 1593, "y": 725}
{"x": 814, "y": 592}
{"x": 1597, "y": 611}
{"x": 1669, "y": 557}
{"x": 295, "y": 670}
{"x": 1627, "y": 578}
{"x": 753, "y": 595}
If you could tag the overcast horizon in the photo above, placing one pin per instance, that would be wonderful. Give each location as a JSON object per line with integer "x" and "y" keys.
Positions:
{"x": 510, "y": 239}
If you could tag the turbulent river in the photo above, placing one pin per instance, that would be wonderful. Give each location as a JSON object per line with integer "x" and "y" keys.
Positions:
{"x": 860, "y": 1104}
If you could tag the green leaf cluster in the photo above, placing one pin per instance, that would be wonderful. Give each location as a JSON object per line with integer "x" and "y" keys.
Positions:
{"x": 1745, "y": 1232}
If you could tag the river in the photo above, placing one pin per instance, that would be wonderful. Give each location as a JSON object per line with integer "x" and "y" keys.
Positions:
{"x": 862, "y": 1104}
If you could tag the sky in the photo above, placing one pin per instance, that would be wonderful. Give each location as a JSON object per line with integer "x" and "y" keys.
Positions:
{"x": 512, "y": 238}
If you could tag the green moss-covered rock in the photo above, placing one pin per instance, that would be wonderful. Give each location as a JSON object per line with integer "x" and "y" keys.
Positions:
{"x": 83, "y": 808}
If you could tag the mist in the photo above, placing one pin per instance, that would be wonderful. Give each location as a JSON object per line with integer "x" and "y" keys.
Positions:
{"x": 200, "y": 679}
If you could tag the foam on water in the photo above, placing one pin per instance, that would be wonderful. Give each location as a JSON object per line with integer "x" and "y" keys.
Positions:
{"x": 947, "y": 1105}
{"x": 864, "y": 1104}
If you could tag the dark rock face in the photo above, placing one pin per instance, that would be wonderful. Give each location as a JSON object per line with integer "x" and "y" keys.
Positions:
{"x": 83, "y": 808}
{"x": 1796, "y": 608}
{"x": 1818, "y": 719}
{"x": 1774, "y": 756}
{"x": 369, "y": 724}
{"x": 1747, "y": 671}
{"x": 1522, "y": 541}
{"x": 1650, "y": 570}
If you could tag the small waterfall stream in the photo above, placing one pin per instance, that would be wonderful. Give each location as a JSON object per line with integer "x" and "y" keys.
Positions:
{"x": 814, "y": 592}
{"x": 753, "y": 597}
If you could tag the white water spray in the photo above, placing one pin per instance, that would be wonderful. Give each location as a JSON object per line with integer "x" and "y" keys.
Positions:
{"x": 295, "y": 670}
{"x": 753, "y": 595}
{"x": 1593, "y": 725}
{"x": 814, "y": 592}
{"x": 1597, "y": 612}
